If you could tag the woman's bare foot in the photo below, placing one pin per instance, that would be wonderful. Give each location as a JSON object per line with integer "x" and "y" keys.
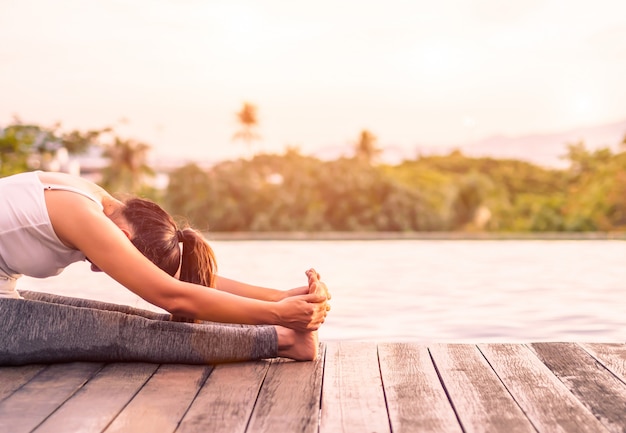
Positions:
{"x": 314, "y": 280}
{"x": 299, "y": 346}
{"x": 316, "y": 286}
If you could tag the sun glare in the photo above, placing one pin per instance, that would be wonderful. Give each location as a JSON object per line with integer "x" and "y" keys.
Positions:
{"x": 409, "y": 71}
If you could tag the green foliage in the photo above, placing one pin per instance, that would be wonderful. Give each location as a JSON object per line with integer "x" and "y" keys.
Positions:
{"x": 15, "y": 147}
{"x": 77, "y": 142}
{"x": 26, "y": 147}
{"x": 294, "y": 192}
{"x": 597, "y": 190}
{"x": 128, "y": 167}
{"x": 187, "y": 195}
{"x": 23, "y": 146}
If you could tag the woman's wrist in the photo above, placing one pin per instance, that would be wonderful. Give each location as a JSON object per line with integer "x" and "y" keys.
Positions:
{"x": 280, "y": 295}
{"x": 273, "y": 314}
{"x": 303, "y": 290}
{"x": 277, "y": 295}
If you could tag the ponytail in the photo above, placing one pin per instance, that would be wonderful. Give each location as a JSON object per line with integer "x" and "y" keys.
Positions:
{"x": 198, "y": 263}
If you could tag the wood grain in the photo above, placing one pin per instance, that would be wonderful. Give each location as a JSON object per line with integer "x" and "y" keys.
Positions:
{"x": 352, "y": 396}
{"x": 352, "y": 387}
{"x": 289, "y": 400}
{"x": 27, "y": 407}
{"x": 481, "y": 402}
{"x": 416, "y": 399}
{"x": 611, "y": 355}
{"x": 13, "y": 378}
{"x": 161, "y": 403}
{"x": 587, "y": 379}
{"x": 97, "y": 403}
{"x": 541, "y": 395}
{"x": 226, "y": 400}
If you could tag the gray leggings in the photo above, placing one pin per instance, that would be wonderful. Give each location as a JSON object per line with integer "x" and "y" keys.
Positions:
{"x": 45, "y": 328}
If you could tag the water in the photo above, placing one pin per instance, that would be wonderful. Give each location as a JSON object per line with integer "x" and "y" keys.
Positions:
{"x": 425, "y": 291}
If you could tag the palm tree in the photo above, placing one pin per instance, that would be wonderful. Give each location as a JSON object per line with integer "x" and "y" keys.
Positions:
{"x": 128, "y": 166}
{"x": 366, "y": 149}
{"x": 77, "y": 142}
{"x": 248, "y": 121}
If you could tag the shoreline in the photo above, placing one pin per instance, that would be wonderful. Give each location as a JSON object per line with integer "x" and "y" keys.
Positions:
{"x": 376, "y": 236}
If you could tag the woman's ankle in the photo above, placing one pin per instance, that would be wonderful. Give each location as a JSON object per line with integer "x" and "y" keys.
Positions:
{"x": 300, "y": 346}
{"x": 286, "y": 338}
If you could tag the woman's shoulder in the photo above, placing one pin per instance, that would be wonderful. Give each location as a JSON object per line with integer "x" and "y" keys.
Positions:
{"x": 64, "y": 179}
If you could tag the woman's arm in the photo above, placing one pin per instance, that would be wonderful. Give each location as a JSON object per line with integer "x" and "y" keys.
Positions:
{"x": 303, "y": 313}
{"x": 86, "y": 228}
{"x": 256, "y": 292}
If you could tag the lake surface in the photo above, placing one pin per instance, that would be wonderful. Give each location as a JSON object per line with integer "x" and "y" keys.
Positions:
{"x": 426, "y": 290}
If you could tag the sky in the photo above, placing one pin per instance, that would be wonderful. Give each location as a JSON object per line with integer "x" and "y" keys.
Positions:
{"x": 173, "y": 73}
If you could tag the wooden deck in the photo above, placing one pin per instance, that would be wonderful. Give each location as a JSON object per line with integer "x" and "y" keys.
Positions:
{"x": 353, "y": 387}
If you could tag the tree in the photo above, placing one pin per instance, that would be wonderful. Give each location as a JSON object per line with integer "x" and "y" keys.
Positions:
{"x": 472, "y": 190}
{"x": 596, "y": 190}
{"x": 15, "y": 147}
{"x": 128, "y": 166}
{"x": 248, "y": 121}
{"x": 77, "y": 142}
{"x": 188, "y": 195}
{"x": 366, "y": 149}
{"x": 26, "y": 146}
{"x": 30, "y": 146}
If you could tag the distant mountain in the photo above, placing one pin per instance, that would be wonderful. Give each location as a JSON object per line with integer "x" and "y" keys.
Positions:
{"x": 547, "y": 149}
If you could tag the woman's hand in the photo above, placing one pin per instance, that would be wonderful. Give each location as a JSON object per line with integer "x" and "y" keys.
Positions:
{"x": 314, "y": 286}
{"x": 305, "y": 308}
{"x": 302, "y": 312}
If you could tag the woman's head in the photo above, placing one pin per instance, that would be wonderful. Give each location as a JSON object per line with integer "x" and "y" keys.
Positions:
{"x": 156, "y": 235}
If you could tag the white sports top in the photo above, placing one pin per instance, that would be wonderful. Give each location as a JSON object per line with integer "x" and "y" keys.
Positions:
{"x": 28, "y": 243}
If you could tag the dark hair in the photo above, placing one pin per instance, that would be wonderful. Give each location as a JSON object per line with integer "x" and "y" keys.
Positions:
{"x": 156, "y": 235}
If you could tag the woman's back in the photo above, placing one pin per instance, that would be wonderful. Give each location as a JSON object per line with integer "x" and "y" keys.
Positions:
{"x": 28, "y": 242}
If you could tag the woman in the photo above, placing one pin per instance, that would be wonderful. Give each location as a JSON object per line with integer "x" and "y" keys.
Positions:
{"x": 49, "y": 220}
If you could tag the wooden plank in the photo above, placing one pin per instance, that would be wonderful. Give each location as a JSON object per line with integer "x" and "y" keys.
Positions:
{"x": 35, "y": 401}
{"x": 541, "y": 395}
{"x": 13, "y": 378}
{"x": 162, "y": 402}
{"x": 481, "y": 402}
{"x": 587, "y": 379}
{"x": 416, "y": 399}
{"x": 611, "y": 355}
{"x": 225, "y": 402}
{"x": 96, "y": 404}
{"x": 406, "y": 387}
{"x": 289, "y": 400}
{"x": 352, "y": 396}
